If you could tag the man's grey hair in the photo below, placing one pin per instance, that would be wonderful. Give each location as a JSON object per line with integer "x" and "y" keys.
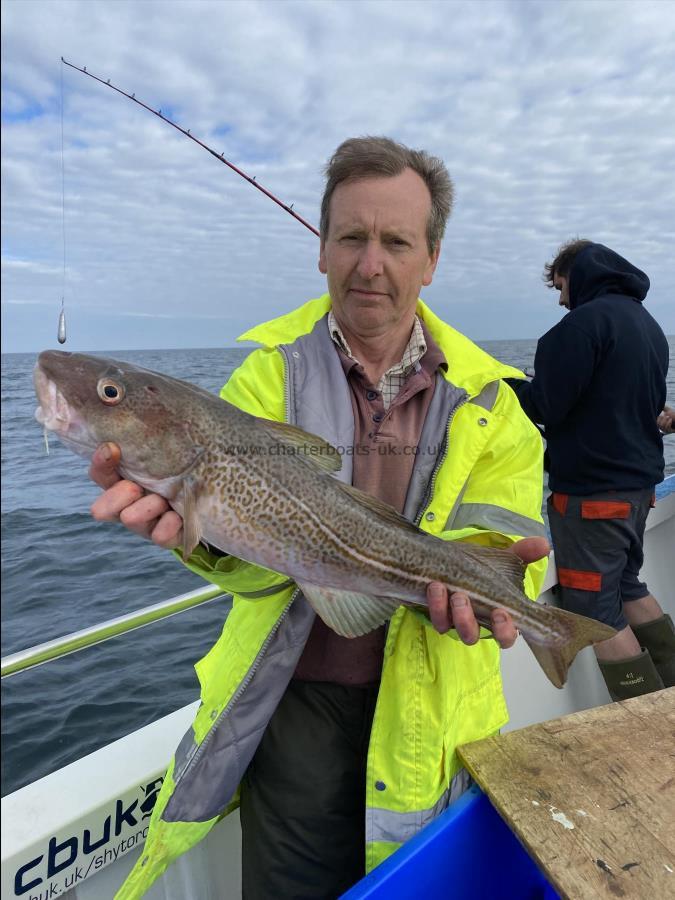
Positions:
{"x": 372, "y": 157}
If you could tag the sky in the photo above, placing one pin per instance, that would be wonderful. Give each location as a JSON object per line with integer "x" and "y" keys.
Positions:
{"x": 554, "y": 118}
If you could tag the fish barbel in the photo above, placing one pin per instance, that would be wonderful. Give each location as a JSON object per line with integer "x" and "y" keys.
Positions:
{"x": 262, "y": 491}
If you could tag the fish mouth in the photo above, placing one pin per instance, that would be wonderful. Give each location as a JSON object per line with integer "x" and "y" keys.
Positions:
{"x": 53, "y": 412}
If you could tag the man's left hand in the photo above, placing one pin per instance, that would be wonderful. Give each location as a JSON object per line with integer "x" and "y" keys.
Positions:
{"x": 456, "y": 612}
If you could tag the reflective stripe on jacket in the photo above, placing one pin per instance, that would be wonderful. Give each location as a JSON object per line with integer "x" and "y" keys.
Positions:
{"x": 477, "y": 477}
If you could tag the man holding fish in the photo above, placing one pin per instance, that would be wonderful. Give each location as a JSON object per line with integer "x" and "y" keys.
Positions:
{"x": 339, "y": 748}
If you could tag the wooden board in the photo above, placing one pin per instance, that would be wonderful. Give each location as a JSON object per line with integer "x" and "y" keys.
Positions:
{"x": 591, "y": 796}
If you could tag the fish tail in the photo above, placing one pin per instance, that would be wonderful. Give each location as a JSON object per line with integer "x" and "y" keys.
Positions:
{"x": 556, "y": 653}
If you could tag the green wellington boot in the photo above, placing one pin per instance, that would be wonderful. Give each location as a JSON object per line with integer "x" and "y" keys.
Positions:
{"x": 626, "y": 678}
{"x": 658, "y": 636}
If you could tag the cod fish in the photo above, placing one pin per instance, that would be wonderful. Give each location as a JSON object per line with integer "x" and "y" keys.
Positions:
{"x": 263, "y": 492}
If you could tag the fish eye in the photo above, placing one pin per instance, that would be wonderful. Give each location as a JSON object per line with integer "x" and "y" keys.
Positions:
{"x": 110, "y": 392}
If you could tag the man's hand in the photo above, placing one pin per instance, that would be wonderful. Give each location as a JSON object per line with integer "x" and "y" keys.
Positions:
{"x": 125, "y": 501}
{"x": 456, "y": 612}
{"x": 666, "y": 421}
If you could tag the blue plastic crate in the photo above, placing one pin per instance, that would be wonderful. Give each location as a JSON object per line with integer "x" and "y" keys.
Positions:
{"x": 468, "y": 853}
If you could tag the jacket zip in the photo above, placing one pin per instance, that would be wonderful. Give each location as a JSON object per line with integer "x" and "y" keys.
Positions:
{"x": 428, "y": 494}
{"x": 287, "y": 390}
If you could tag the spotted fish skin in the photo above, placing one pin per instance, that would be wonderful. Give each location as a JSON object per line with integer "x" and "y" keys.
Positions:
{"x": 262, "y": 491}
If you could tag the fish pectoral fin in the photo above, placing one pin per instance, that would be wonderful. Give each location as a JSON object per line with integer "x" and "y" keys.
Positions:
{"x": 382, "y": 509}
{"x": 506, "y": 563}
{"x": 308, "y": 446}
{"x": 348, "y": 613}
{"x": 192, "y": 530}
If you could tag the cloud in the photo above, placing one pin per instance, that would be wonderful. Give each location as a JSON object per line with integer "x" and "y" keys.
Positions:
{"x": 554, "y": 120}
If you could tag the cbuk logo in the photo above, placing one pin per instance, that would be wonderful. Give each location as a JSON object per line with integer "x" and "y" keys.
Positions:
{"x": 151, "y": 792}
{"x": 64, "y": 854}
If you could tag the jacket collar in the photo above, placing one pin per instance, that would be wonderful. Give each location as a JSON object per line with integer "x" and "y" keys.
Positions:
{"x": 468, "y": 366}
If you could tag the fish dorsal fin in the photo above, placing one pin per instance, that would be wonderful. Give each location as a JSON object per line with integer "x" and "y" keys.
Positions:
{"x": 192, "y": 530}
{"x": 382, "y": 509}
{"x": 348, "y": 613}
{"x": 308, "y": 446}
{"x": 510, "y": 566}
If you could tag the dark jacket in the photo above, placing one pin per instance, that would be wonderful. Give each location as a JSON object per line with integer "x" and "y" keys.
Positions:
{"x": 600, "y": 381}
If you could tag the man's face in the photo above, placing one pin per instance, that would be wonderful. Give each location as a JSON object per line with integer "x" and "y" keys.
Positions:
{"x": 562, "y": 283}
{"x": 375, "y": 253}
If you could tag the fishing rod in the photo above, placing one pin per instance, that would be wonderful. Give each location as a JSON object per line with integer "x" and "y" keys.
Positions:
{"x": 186, "y": 131}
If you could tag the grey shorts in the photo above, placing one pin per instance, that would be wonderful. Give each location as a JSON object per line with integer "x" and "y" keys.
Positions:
{"x": 597, "y": 541}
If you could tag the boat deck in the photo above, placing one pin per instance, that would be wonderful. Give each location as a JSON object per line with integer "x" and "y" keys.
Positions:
{"x": 591, "y": 796}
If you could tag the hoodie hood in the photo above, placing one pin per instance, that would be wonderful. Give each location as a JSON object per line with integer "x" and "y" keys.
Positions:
{"x": 598, "y": 270}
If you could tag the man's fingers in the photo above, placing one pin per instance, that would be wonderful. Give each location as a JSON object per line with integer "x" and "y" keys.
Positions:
{"x": 168, "y": 532}
{"x": 531, "y": 549}
{"x": 108, "y": 507}
{"x": 148, "y": 515}
{"x": 463, "y": 618}
{"x": 104, "y": 462}
{"x": 437, "y": 601}
{"x": 125, "y": 501}
{"x": 456, "y": 612}
{"x": 503, "y": 629}
{"x": 452, "y": 612}
{"x": 143, "y": 515}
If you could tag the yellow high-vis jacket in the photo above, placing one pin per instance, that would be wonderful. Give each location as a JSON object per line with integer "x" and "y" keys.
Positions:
{"x": 477, "y": 478}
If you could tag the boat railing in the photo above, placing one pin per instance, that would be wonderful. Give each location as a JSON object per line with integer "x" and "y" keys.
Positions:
{"x": 96, "y": 634}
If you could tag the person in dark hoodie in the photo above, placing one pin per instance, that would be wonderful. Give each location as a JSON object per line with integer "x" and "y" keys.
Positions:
{"x": 599, "y": 386}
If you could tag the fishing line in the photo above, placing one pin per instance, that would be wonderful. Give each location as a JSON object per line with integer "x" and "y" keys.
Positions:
{"x": 61, "y": 330}
{"x": 186, "y": 131}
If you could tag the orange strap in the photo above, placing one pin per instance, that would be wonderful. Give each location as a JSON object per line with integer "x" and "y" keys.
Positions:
{"x": 560, "y": 503}
{"x": 582, "y": 581}
{"x": 605, "y": 509}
